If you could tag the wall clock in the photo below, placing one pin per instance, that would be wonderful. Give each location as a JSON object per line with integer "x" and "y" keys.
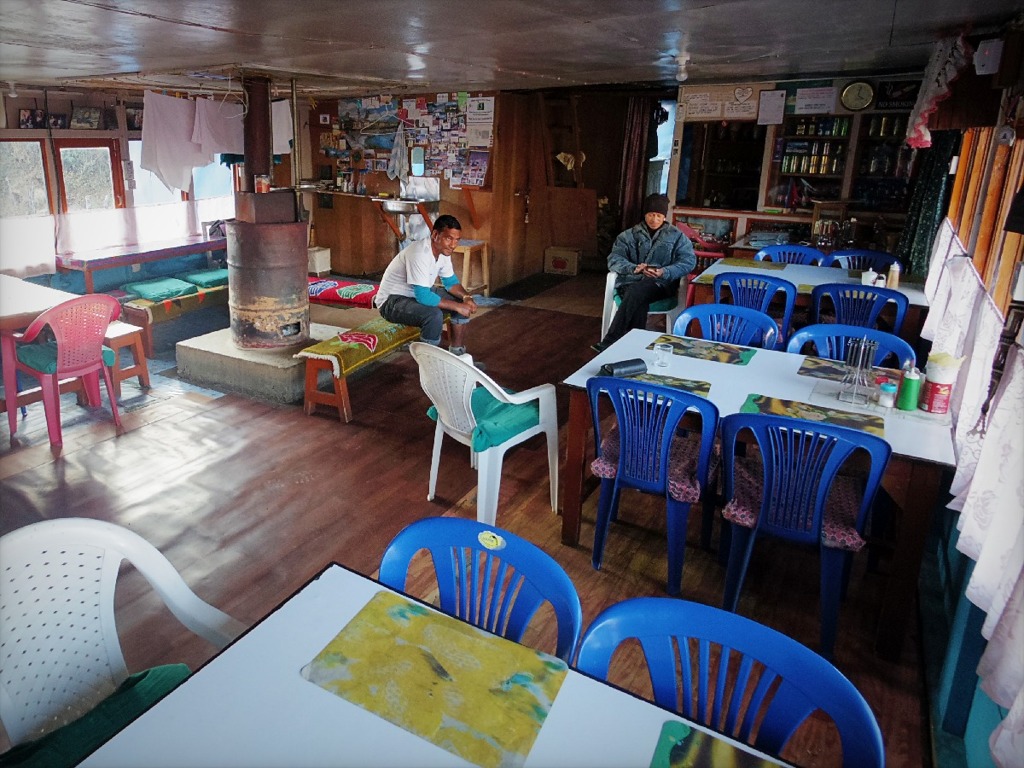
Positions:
{"x": 857, "y": 95}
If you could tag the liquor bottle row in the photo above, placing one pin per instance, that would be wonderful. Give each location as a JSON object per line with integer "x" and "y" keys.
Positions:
{"x": 813, "y": 158}
{"x": 821, "y": 126}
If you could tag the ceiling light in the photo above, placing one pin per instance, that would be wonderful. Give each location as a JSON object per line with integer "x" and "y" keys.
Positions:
{"x": 12, "y": 93}
{"x": 681, "y": 73}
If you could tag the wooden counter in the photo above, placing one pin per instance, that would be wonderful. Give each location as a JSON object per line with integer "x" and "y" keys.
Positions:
{"x": 360, "y": 243}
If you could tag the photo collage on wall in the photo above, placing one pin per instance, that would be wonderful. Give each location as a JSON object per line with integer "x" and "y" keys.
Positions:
{"x": 454, "y": 130}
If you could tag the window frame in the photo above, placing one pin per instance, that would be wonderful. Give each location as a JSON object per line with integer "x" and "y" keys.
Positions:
{"x": 49, "y": 172}
{"x": 116, "y": 170}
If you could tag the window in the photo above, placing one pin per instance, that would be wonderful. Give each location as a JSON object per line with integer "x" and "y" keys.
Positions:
{"x": 149, "y": 190}
{"x": 23, "y": 187}
{"x": 86, "y": 170}
{"x": 213, "y": 180}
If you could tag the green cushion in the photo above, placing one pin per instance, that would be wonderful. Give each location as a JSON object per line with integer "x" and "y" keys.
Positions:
{"x": 72, "y": 743}
{"x": 207, "y": 278}
{"x": 496, "y": 421}
{"x": 160, "y": 289}
{"x": 43, "y": 357}
{"x": 661, "y": 305}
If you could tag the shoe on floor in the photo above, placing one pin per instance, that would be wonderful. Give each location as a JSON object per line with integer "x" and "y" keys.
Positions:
{"x": 599, "y": 346}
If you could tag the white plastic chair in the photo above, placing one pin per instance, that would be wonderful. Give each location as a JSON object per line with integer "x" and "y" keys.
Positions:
{"x": 670, "y": 307}
{"x": 61, "y": 655}
{"x": 450, "y": 381}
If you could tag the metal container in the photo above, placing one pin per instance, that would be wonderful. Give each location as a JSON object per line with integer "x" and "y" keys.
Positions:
{"x": 268, "y": 297}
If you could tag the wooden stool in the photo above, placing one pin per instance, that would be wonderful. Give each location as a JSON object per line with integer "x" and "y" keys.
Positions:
{"x": 468, "y": 249}
{"x": 120, "y": 334}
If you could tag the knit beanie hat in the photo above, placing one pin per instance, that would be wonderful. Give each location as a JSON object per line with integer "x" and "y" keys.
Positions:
{"x": 656, "y": 204}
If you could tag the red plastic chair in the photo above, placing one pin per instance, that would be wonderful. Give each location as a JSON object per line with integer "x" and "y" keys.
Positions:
{"x": 76, "y": 350}
{"x": 699, "y": 243}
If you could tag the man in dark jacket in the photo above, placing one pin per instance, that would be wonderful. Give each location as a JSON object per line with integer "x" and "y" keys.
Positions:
{"x": 650, "y": 259}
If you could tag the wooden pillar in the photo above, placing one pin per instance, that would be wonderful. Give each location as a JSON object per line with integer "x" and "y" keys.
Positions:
{"x": 257, "y": 131}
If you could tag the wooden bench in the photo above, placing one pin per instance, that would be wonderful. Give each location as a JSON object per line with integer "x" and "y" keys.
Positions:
{"x": 122, "y": 335}
{"x": 343, "y": 355}
{"x": 145, "y": 313}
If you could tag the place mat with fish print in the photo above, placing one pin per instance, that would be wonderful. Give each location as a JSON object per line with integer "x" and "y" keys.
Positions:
{"x": 681, "y": 746}
{"x": 699, "y": 349}
{"x": 822, "y": 368}
{"x": 695, "y": 386}
{"x": 775, "y": 407}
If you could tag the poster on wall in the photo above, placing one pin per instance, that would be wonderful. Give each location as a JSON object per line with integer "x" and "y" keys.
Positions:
{"x": 725, "y": 102}
{"x": 771, "y": 107}
{"x": 815, "y": 101}
{"x": 900, "y": 94}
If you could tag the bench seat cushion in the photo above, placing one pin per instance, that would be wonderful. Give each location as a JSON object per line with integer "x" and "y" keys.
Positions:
{"x": 354, "y": 348}
{"x": 145, "y": 311}
{"x": 345, "y": 292}
{"x": 206, "y": 278}
{"x": 160, "y": 289}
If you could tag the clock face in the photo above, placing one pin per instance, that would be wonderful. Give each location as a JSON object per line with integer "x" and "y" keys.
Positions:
{"x": 857, "y": 95}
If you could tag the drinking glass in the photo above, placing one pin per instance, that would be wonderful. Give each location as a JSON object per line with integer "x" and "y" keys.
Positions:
{"x": 662, "y": 354}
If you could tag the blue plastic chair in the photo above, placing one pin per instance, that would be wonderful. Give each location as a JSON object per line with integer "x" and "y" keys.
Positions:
{"x": 488, "y": 577}
{"x": 830, "y": 340}
{"x": 712, "y": 637}
{"x": 795, "y": 492}
{"x": 794, "y": 254}
{"x": 855, "y": 304}
{"x": 729, "y": 323}
{"x": 757, "y": 291}
{"x": 646, "y": 451}
{"x": 856, "y": 258}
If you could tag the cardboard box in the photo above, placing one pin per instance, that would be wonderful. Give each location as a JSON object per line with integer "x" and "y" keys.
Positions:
{"x": 562, "y": 261}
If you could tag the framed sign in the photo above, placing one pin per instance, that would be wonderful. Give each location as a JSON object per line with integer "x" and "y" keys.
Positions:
{"x": 85, "y": 117}
{"x": 897, "y": 94}
{"x": 133, "y": 118}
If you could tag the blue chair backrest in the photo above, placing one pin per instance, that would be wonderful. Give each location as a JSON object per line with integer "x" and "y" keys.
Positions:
{"x": 799, "y": 460}
{"x": 855, "y": 258}
{"x": 858, "y": 304}
{"x": 711, "y": 638}
{"x": 756, "y": 291}
{"x": 648, "y": 416}
{"x": 729, "y": 323}
{"x": 830, "y": 340}
{"x": 793, "y": 254}
{"x": 488, "y": 577}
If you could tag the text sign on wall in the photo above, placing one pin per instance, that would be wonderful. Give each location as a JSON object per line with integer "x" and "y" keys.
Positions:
{"x": 726, "y": 102}
{"x": 814, "y": 101}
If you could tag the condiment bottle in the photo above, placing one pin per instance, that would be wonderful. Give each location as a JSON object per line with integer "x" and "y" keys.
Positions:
{"x": 910, "y": 390}
{"x": 887, "y": 395}
{"x": 894, "y": 276}
{"x": 868, "y": 277}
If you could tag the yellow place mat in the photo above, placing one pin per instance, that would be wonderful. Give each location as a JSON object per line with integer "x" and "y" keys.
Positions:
{"x": 706, "y": 279}
{"x": 821, "y": 368}
{"x": 680, "y": 745}
{"x": 699, "y": 349}
{"x": 701, "y": 388}
{"x": 776, "y": 407}
{"x": 478, "y": 696}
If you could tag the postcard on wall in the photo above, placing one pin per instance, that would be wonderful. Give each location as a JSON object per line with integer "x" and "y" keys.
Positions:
{"x": 771, "y": 107}
{"x": 480, "y": 109}
{"x": 815, "y": 101}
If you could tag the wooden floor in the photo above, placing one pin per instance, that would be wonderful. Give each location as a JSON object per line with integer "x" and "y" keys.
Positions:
{"x": 249, "y": 500}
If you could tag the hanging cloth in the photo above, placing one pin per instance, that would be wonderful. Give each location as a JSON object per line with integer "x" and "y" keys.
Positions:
{"x": 167, "y": 147}
{"x": 398, "y": 165}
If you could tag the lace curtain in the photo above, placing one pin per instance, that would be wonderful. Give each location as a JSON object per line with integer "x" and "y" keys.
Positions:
{"x": 988, "y": 487}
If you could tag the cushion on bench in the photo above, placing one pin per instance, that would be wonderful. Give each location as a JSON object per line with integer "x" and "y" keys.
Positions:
{"x": 168, "y": 309}
{"x": 354, "y": 348}
{"x": 206, "y": 278}
{"x": 160, "y": 289}
{"x": 346, "y": 292}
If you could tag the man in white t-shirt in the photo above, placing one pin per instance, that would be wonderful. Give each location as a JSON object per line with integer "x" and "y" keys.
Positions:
{"x": 408, "y": 294}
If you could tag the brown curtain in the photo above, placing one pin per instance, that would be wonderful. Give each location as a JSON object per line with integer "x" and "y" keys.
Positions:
{"x": 634, "y": 159}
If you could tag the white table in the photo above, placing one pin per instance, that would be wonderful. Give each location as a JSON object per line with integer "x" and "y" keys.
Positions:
{"x": 250, "y": 706}
{"x": 922, "y": 448}
{"x": 805, "y": 277}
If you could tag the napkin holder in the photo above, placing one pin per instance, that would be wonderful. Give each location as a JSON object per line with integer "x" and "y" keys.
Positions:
{"x": 624, "y": 367}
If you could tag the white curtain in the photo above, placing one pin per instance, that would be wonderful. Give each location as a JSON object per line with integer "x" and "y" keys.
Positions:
{"x": 989, "y": 484}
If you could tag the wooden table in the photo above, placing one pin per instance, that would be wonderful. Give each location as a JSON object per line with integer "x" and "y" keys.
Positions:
{"x": 20, "y": 303}
{"x": 89, "y": 262}
{"x": 252, "y": 706}
{"x": 805, "y": 278}
{"x": 922, "y": 449}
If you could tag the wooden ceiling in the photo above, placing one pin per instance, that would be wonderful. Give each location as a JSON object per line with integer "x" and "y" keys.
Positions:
{"x": 355, "y": 47}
